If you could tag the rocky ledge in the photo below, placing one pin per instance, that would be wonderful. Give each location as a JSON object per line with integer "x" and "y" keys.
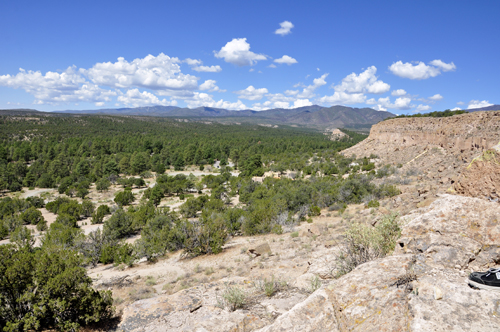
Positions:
{"x": 421, "y": 287}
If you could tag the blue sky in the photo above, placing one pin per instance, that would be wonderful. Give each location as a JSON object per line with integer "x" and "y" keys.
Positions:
{"x": 400, "y": 56}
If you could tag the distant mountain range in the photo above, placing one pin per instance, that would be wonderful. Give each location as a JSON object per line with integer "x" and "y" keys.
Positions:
{"x": 314, "y": 116}
{"x": 487, "y": 108}
{"x": 308, "y": 116}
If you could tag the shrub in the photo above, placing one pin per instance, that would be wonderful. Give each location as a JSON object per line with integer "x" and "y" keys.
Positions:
{"x": 271, "y": 286}
{"x": 124, "y": 198}
{"x": 62, "y": 299}
{"x": 373, "y": 204}
{"x": 118, "y": 225}
{"x": 314, "y": 211}
{"x": 363, "y": 243}
{"x": 66, "y": 220}
{"x": 32, "y": 216}
{"x": 206, "y": 236}
{"x": 315, "y": 283}
{"x": 233, "y": 297}
{"x": 103, "y": 184}
{"x": 98, "y": 215}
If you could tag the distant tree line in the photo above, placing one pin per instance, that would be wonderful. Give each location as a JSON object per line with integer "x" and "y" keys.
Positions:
{"x": 435, "y": 114}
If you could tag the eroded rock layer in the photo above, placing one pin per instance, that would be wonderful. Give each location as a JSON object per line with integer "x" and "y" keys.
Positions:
{"x": 401, "y": 140}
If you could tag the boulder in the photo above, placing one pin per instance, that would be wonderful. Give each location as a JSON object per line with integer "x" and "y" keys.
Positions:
{"x": 317, "y": 229}
{"x": 260, "y": 250}
{"x": 192, "y": 309}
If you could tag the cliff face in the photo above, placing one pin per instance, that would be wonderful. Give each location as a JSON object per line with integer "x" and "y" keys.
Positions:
{"x": 463, "y": 132}
{"x": 415, "y": 140}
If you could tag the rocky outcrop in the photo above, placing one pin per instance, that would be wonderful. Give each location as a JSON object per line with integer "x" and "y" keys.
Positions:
{"x": 423, "y": 286}
{"x": 482, "y": 177}
{"x": 400, "y": 140}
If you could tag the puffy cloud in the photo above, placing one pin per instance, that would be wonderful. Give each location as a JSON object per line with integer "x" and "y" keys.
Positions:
{"x": 308, "y": 91}
{"x": 460, "y": 103}
{"x": 272, "y": 65}
{"x": 67, "y": 86}
{"x": 193, "y": 62}
{"x": 281, "y": 104}
{"x": 365, "y": 82}
{"x": 478, "y": 104}
{"x": 237, "y": 52}
{"x": 401, "y": 103}
{"x": 204, "y": 99}
{"x": 340, "y": 97}
{"x": 291, "y": 92}
{"x": 443, "y": 65}
{"x": 208, "y": 69}
{"x": 196, "y": 65}
{"x": 301, "y": 103}
{"x": 278, "y": 100}
{"x": 456, "y": 109}
{"x": 436, "y": 97}
{"x": 156, "y": 73}
{"x": 422, "y": 108}
{"x": 137, "y": 99}
{"x": 262, "y": 106}
{"x": 285, "y": 59}
{"x": 420, "y": 70}
{"x": 210, "y": 85}
{"x": 251, "y": 93}
{"x": 285, "y": 29}
{"x": 398, "y": 92}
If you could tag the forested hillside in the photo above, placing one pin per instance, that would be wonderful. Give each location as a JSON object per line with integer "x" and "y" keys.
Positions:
{"x": 111, "y": 172}
{"x": 56, "y": 148}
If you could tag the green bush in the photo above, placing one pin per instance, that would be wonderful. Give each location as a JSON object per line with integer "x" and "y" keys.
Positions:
{"x": 48, "y": 289}
{"x": 124, "y": 198}
{"x": 32, "y": 216}
{"x": 119, "y": 225}
{"x": 373, "y": 204}
{"x": 314, "y": 211}
{"x": 67, "y": 220}
{"x": 98, "y": 215}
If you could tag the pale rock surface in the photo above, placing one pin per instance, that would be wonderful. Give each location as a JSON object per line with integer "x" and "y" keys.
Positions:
{"x": 421, "y": 287}
{"x": 436, "y": 239}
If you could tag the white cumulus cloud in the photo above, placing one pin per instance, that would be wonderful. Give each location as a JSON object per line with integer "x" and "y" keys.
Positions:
{"x": 210, "y": 85}
{"x": 285, "y": 59}
{"x": 365, "y": 82}
{"x": 156, "y": 73}
{"x": 308, "y": 91}
{"x": 285, "y": 29}
{"x": 478, "y": 104}
{"x": 422, "y": 108}
{"x": 196, "y": 65}
{"x": 420, "y": 70}
{"x": 53, "y": 87}
{"x": 401, "y": 103}
{"x": 237, "y": 52}
{"x": 251, "y": 93}
{"x": 204, "y": 99}
{"x": 208, "y": 69}
{"x": 436, "y": 97}
{"x": 301, "y": 103}
{"x": 443, "y": 65}
{"x": 398, "y": 92}
{"x": 340, "y": 97}
{"x": 136, "y": 98}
